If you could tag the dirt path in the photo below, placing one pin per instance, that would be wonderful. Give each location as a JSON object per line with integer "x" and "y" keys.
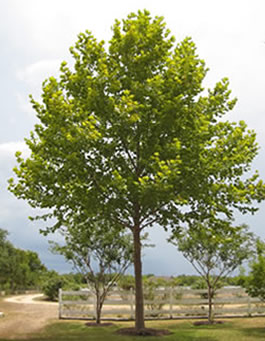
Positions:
{"x": 29, "y": 299}
{"x": 24, "y": 316}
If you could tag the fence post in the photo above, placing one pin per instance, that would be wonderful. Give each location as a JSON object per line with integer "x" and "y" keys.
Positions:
{"x": 249, "y": 306}
{"x": 131, "y": 298}
{"x": 60, "y": 303}
{"x": 170, "y": 302}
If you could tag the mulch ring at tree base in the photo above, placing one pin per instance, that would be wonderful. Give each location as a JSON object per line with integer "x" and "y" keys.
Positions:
{"x": 95, "y": 324}
{"x": 143, "y": 332}
{"x": 207, "y": 323}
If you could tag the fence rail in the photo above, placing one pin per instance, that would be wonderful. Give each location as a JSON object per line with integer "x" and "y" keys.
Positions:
{"x": 167, "y": 303}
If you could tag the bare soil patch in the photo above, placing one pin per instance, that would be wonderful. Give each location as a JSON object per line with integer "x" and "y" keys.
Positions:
{"x": 207, "y": 323}
{"x": 24, "y": 317}
{"x": 95, "y": 324}
{"x": 143, "y": 332}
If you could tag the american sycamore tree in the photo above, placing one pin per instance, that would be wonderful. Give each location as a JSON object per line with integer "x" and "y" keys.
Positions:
{"x": 215, "y": 249}
{"x": 100, "y": 254}
{"x": 129, "y": 134}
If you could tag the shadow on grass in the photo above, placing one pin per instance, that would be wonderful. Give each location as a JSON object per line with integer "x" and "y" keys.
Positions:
{"x": 226, "y": 325}
{"x": 255, "y": 332}
{"x": 80, "y": 332}
{"x": 188, "y": 336}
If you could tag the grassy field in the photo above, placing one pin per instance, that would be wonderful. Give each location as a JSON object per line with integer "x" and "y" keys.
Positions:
{"x": 246, "y": 329}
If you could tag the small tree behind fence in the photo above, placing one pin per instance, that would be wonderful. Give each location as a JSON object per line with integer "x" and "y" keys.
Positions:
{"x": 168, "y": 303}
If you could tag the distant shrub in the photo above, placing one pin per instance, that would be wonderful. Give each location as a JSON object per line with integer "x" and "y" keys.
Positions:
{"x": 55, "y": 282}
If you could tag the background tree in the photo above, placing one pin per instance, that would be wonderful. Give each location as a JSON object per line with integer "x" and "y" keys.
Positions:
{"x": 25, "y": 269}
{"x": 129, "y": 135}
{"x": 19, "y": 269}
{"x": 255, "y": 281}
{"x": 215, "y": 249}
{"x": 102, "y": 257}
{"x": 7, "y": 250}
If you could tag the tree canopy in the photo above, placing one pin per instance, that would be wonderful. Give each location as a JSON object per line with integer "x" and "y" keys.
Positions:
{"x": 129, "y": 133}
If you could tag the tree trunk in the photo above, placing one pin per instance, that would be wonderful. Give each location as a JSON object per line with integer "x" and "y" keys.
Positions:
{"x": 139, "y": 299}
{"x": 98, "y": 309}
{"x": 210, "y": 305}
{"x": 98, "y": 319}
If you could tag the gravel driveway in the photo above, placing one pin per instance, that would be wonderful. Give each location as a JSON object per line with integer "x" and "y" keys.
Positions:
{"x": 24, "y": 316}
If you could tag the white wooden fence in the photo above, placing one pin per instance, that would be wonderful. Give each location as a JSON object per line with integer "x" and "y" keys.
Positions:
{"x": 167, "y": 303}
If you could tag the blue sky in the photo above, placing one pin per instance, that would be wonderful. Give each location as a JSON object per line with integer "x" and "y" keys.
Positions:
{"x": 35, "y": 37}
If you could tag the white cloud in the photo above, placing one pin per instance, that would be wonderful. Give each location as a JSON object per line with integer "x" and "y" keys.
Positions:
{"x": 24, "y": 104}
{"x": 7, "y": 162}
{"x": 8, "y": 150}
{"x": 34, "y": 74}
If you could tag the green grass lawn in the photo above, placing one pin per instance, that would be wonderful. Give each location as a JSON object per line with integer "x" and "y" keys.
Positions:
{"x": 232, "y": 330}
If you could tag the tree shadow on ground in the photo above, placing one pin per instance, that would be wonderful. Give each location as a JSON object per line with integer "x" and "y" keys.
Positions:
{"x": 189, "y": 332}
{"x": 255, "y": 332}
{"x": 191, "y": 337}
